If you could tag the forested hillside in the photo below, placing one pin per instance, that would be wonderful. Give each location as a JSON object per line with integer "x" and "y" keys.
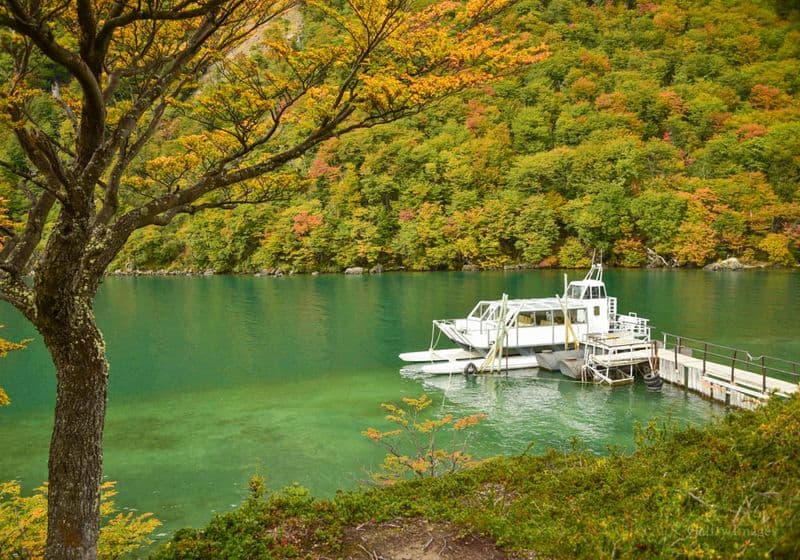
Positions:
{"x": 669, "y": 129}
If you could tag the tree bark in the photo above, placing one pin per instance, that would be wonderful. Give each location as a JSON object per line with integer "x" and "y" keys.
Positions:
{"x": 75, "y": 465}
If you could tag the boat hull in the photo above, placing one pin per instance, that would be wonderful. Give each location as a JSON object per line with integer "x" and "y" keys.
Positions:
{"x": 440, "y": 355}
{"x": 549, "y": 359}
{"x": 460, "y": 366}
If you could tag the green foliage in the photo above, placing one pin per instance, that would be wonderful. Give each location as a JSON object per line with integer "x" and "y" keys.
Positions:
{"x": 671, "y": 126}
{"x": 270, "y": 527}
{"x": 23, "y": 524}
{"x": 573, "y": 254}
{"x": 730, "y": 490}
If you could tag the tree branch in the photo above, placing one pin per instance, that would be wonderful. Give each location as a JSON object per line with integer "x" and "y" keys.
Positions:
{"x": 17, "y": 252}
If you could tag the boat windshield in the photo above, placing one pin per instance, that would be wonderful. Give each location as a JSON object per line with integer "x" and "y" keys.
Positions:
{"x": 574, "y": 291}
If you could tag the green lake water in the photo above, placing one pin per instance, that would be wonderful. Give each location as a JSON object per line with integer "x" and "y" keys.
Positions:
{"x": 213, "y": 379}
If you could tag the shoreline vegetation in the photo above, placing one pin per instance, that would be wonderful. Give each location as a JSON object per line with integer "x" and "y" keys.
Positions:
{"x": 729, "y": 490}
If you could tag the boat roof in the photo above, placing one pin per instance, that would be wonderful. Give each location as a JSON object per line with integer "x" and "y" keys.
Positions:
{"x": 537, "y": 304}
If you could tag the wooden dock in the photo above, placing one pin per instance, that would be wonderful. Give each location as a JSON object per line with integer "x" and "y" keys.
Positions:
{"x": 725, "y": 374}
{"x": 721, "y": 373}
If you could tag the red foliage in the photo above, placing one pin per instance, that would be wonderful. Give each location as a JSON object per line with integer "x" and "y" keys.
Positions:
{"x": 321, "y": 166}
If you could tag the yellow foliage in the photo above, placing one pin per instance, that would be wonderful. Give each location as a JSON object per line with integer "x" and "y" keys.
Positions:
{"x": 23, "y": 524}
{"x": 776, "y": 246}
{"x": 5, "y": 348}
{"x": 420, "y": 404}
{"x": 428, "y": 458}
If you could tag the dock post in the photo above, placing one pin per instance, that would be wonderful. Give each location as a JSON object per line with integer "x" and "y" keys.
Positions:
{"x": 763, "y": 375}
{"x": 677, "y": 347}
{"x": 705, "y": 355}
{"x": 733, "y": 366}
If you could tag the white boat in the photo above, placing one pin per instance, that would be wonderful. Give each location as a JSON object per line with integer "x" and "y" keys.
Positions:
{"x": 508, "y": 333}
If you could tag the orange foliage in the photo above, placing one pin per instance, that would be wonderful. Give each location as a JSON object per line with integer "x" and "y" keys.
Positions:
{"x": 695, "y": 243}
{"x": 614, "y": 102}
{"x": 750, "y": 130}
{"x": 766, "y": 97}
{"x": 305, "y": 222}
{"x": 596, "y": 62}
{"x": 673, "y": 101}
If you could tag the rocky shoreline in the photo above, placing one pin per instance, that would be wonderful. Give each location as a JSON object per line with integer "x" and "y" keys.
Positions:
{"x": 732, "y": 264}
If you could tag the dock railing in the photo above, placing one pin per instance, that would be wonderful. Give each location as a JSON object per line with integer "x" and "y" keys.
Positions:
{"x": 737, "y": 361}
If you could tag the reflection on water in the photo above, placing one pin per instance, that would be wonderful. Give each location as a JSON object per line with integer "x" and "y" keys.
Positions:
{"x": 546, "y": 407}
{"x": 215, "y": 378}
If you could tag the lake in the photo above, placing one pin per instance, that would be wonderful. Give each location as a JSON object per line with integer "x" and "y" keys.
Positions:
{"x": 216, "y": 378}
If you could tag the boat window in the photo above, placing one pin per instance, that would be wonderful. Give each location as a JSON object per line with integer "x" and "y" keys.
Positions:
{"x": 577, "y": 315}
{"x": 602, "y": 291}
{"x": 526, "y": 319}
{"x": 558, "y": 317}
{"x": 542, "y": 318}
{"x": 596, "y": 310}
{"x": 574, "y": 291}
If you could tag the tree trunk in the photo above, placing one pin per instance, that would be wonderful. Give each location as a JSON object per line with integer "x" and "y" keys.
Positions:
{"x": 76, "y": 457}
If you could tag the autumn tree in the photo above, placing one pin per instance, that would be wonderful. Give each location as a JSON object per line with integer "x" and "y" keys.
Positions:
{"x": 128, "y": 114}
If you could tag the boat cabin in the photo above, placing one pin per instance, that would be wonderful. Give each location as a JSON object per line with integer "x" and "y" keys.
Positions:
{"x": 539, "y": 322}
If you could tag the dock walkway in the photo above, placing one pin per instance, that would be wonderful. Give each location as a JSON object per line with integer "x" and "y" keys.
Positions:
{"x": 725, "y": 374}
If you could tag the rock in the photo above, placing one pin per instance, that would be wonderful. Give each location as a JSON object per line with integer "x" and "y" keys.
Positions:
{"x": 354, "y": 270}
{"x": 377, "y": 269}
{"x": 315, "y": 273}
{"x": 209, "y": 272}
{"x": 471, "y": 268}
{"x": 727, "y": 264}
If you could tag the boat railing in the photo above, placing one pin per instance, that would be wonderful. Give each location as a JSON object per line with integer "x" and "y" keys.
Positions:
{"x": 448, "y": 327}
{"x": 712, "y": 357}
{"x": 632, "y": 324}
